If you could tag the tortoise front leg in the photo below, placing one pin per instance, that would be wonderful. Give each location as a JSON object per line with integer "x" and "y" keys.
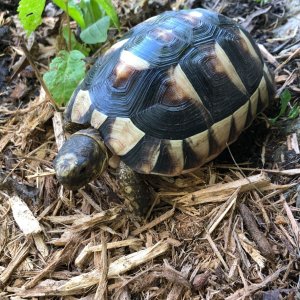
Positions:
{"x": 138, "y": 193}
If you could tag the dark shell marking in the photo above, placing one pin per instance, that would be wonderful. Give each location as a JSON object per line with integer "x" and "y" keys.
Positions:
{"x": 175, "y": 91}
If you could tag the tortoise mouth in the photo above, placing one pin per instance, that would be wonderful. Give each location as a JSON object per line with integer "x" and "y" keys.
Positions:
{"x": 80, "y": 160}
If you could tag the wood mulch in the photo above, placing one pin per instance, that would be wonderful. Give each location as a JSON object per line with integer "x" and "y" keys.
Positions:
{"x": 228, "y": 231}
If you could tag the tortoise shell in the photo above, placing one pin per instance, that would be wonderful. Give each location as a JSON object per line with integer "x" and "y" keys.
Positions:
{"x": 174, "y": 91}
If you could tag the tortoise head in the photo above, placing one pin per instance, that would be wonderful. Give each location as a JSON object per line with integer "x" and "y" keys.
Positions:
{"x": 81, "y": 159}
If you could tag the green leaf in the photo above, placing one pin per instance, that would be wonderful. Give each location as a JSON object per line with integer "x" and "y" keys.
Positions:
{"x": 75, "y": 45}
{"x": 91, "y": 11}
{"x": 97, "y": 10}
{"x": 97, "y": 32}
{"x": 110, "y": 11}
{"x": 285, "y": 98}
{"x": 66, "y": 71}
{"x": 74, "y": 11}
{"x": 294, "y": 113}
{"x": 262, "y": 2}
{"x": 30, "y": 14}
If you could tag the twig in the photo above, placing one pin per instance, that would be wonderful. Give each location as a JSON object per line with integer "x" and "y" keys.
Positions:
{"x": 242, "y": 293}
{"x": 113, "y": 245}
{"x": 288, "y": 172}
{"x": 60, "y": 257}
{"x": 216, "y": 250}
{"x": 15, "y": 261}
{"x": 294, "y": 225}
{"x": 237, "y": 165}
{"x": 68, "y": 25}
{"x": 261, "y": 241}
{"x": 153, "y": 223}
{"x": 223, "y": 211}
{"x": 179, "y": 283}
{"x": 38, "y": 76}
{"x": 101, "y": 292}
{"x": 116, "y": 268}
{"x": 287, "y": 60}
{"x": 222, "y": 192}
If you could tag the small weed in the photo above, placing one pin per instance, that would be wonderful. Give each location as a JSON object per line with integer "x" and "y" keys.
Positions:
{"x": 285, "y": 98}
{"x": 94, "y": 17}
{"x": 262, "y": 2}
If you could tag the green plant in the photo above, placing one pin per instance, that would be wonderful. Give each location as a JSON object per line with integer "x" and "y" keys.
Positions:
{"x": 30, "y": 14}
{"x": 74, "y": 44}
{"x": 94, "y": 18}
{"x": 65, "y": 72}
{"x": 285, "y": 98}
{"x": 262, "y": 2}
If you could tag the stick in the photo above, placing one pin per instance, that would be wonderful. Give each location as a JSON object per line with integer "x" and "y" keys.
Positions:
{"x": 38, "y": 76}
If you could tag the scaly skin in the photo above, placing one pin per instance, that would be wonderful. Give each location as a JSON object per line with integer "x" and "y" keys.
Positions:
{"x": 134, "y": 189}
{"x": 83, "y": 157}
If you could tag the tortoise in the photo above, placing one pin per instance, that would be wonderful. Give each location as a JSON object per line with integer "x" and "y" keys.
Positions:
{"x": 167, "y": 98}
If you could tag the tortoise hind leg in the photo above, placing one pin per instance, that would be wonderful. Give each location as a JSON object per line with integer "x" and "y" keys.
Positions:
{"x": 135, "y": 189}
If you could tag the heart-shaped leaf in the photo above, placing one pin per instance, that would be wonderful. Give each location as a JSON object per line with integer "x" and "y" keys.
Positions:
{"x": 66, "y": 71}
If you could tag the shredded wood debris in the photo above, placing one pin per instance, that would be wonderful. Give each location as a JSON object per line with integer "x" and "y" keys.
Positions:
{"x": 23, "y": 216}
{"x": 226, "y": 231}
{"x": 86, "y": 280}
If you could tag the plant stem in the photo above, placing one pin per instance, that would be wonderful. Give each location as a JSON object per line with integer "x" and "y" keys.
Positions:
{"x": 38, "y": 75}
{"x": 68, "y": 25}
